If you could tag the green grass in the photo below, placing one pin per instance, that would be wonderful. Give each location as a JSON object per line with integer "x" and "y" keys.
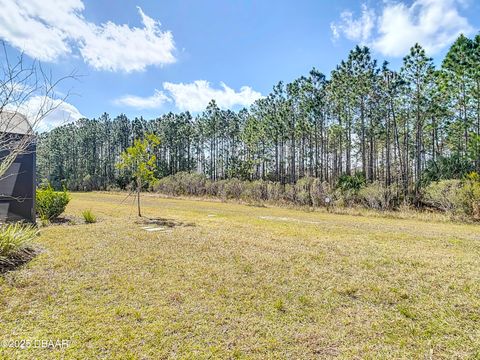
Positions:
{"x": 233, "y": 281}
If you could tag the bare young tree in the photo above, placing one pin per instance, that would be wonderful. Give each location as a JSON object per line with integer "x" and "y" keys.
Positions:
{"x": 28, "y": 94}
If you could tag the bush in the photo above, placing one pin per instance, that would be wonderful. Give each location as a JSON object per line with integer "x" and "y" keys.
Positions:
{"x": 50, "y": 204}
{"x": 275, "y": 191}
{"x": 444, "y": 195}
{"x": 14, "y": 241}
{"x": 182, "y": 183}
{"x": 445, "y": 168}
{"x": 303, "y": 191}
{"x": 351, "y": 183}
{"x": 347, "y": 189}
{"x": 231, "y": 188}
{"x": 194, "y": 184}
{"x": 213, "y": 188}
{"x": 378, "y": 196}
{"x": 255, "y": 191}
{"x": 469, "y": 195}
{"x": 458, "y": 197}
{"x": 89, "y": 217}
{"x": 88, "y": 183}
{"x": 320, "y": 191}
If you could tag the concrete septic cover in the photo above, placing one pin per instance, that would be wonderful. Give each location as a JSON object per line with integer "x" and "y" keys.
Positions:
{"x": 152, "y": 228}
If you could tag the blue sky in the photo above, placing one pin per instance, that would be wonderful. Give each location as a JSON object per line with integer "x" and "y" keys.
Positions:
{"x": 150, "y": 57}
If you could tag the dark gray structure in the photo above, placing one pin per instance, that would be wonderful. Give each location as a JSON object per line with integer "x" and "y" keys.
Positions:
{"x": 17, "y": 185}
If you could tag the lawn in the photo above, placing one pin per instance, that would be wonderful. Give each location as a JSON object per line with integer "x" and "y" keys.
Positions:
{"x": 224, "y": 280}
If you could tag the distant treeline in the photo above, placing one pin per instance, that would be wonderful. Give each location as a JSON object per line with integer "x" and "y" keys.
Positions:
{"x": 403, "y": 128}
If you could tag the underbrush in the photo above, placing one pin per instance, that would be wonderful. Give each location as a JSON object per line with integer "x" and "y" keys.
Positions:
{"x": 306, "y": 192}
{"x": 457, "y": 200}
{"x": 445, "y": 201}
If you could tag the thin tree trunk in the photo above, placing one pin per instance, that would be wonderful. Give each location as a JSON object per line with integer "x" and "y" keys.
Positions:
{"x": 139, "y": 185}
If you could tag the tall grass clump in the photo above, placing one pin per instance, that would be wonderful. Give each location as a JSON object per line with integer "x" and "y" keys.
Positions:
{"x": 15, "y": 241}
{"x": 89, "y": 217}
{"x": 50, "y": 203}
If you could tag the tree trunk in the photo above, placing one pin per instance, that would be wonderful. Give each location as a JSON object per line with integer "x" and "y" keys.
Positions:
{"x": 362, "y": 124}
{"x": 139, "y": 185}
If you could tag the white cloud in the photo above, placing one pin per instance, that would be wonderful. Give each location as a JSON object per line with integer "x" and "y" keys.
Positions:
{"x": 151, "y": 102}
{"x": 355, "y": 29}
{"x": 50, "y": 29}
{"x": 46, "y": 113}
{"x": 434, "y": 24}
{"x": 192, "y": 96}
{"x": 196, "y": 96}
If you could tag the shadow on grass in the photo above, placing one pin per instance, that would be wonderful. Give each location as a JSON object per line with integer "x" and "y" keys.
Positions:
{"x": 62, "y": 220}
{"x": 257, "y": 205}
{"x": 163, "y": 222}
{"x": 17, "y": 259}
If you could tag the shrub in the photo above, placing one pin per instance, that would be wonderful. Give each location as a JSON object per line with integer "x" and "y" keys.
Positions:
{"x": 89, "y": 217}
{"x": 469, "y": 195}
{"x": 182, "y": 183}
{"x": 166, "y": 186}
{"x": 50, "y": 204}
{"x": 444, "y": 195}
{"x": 231, "y": 189}
{"x": 347, "y": 189}
{"x": 351, "y": 183}
{"x": 289, "y": 194}
{"x": 458, "y": 197}
{"x": 378, "y": 196}
{"x": 303, "y": 191}
{"x": 444, "y": 168}
{"x": 320, "y": 191}
{"x": 256, "y": 191}
{"x": 275, "y": 191}
{"x": 14, "y": 241}
{"x": 213, "y": 188}
{"x": 88, "y": 183}
{"x": 345, "y": 198}
{"x": 193, "y": 184}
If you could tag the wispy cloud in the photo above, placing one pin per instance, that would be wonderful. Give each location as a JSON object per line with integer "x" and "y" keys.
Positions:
{"x": 395, "y": 27}
{"x": 150, "y": 102}
{"x": 49, "y": 29}
{"x": 355, "y": 29}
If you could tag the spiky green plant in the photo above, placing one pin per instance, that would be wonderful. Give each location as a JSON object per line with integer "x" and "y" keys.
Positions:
{"x": 89, "y": 217}
{"x": 14, "y": 242}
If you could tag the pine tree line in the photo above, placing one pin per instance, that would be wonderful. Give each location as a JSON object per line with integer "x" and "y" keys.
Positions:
{"x": 402, "y": 128}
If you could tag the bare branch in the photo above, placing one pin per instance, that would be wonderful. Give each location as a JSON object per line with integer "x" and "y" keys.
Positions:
{"x": 28, "y": 94}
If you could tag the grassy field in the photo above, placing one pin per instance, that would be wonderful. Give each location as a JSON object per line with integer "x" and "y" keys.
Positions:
{"x": 233, "y": 281}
